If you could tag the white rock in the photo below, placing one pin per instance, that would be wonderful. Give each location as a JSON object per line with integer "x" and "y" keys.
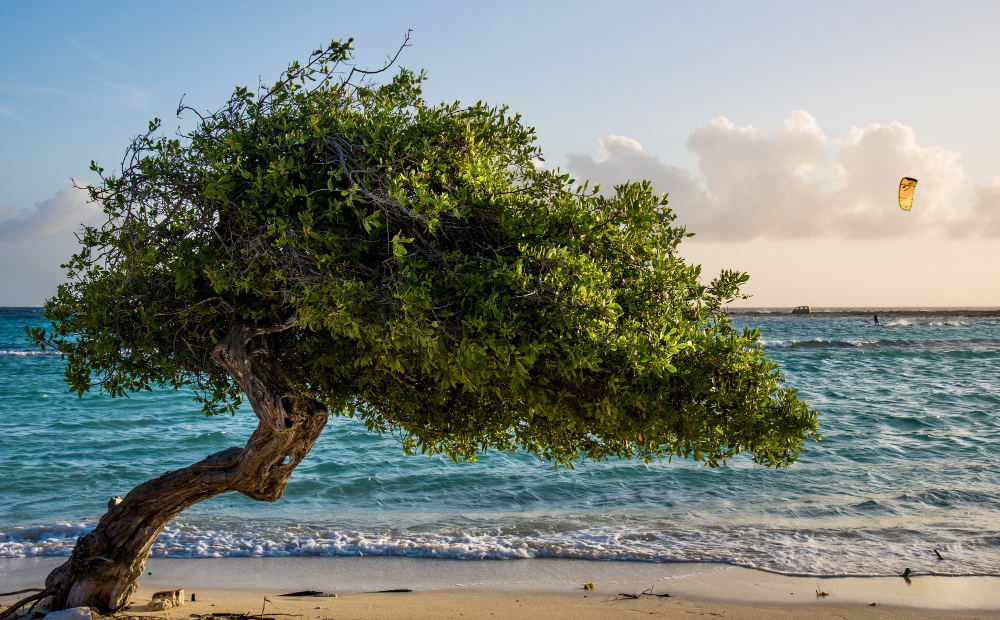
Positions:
{"x": 174, "y": 596}
{"x": 160, "y": 604}
{"x": 44, "y": 606}
{"x": 74, "y": 613}
{"x": 165, "y": 600}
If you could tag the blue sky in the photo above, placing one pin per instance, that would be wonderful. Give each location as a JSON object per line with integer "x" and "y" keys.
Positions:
{"x": 780, "y": 129}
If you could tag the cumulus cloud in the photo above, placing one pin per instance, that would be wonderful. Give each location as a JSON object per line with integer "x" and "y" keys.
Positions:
{"x": 983, "y": 217}
{"x": 798, "y": 183}
{"x": 59, "y": 216}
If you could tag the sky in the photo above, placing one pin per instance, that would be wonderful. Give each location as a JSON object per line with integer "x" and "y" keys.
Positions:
{"x": 780, "y": 130}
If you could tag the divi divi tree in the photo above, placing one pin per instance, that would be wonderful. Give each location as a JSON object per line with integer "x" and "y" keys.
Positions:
{"x": 335, "y": 244}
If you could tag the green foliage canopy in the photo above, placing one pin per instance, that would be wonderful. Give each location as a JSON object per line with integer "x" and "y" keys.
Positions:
{"x": 436, "y": 281}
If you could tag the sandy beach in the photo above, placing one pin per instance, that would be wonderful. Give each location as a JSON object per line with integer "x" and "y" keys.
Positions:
{"x": 527, "y": 589}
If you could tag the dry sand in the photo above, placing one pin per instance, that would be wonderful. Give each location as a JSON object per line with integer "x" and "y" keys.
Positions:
{"x": 490, "y": 590}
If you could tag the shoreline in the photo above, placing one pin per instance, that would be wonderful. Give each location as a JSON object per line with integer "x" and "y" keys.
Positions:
{"x": 532, "y": 588}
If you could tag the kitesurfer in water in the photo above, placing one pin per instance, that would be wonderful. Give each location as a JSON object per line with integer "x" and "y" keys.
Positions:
{"x": 876, "y": 318}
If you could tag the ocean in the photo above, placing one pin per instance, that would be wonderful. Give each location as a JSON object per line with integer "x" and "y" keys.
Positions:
{"x": 909, "y": 463}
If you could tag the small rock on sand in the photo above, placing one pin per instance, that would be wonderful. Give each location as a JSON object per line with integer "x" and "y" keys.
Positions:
{"x": 166, "y": 600}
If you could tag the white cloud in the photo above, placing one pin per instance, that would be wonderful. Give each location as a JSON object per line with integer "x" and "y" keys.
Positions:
{"x": 5, "y": 111}
{"x": 797, "y": 183}
{"x": 984, "y": 217}
{"x": 59, "y": 216}
{"x": 33, "y": 243}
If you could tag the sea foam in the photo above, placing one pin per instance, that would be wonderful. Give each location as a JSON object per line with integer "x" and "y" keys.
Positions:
{"x": 792, "y": 552}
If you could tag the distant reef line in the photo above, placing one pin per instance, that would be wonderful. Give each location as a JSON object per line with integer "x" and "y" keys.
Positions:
{"x": 946, "y": 311}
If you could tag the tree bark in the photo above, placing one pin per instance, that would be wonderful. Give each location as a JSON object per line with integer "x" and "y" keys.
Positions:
{"x": 107, "y": 562}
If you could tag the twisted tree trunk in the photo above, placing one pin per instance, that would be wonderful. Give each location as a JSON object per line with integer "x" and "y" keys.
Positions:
{"x": 107, "y": 562}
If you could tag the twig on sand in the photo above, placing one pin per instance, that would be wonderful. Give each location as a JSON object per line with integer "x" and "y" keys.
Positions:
{"x": 648, "y": 592}
{"x": 20, "y": 591}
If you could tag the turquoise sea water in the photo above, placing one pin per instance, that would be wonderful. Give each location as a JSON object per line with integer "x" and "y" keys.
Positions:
{"x": 909, "y": 463}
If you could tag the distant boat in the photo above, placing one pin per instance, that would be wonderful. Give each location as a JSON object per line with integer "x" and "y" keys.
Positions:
{"x": 800, "y": 310}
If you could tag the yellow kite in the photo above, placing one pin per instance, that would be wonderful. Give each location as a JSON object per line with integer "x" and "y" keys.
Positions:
{"x": 906, "y": 187}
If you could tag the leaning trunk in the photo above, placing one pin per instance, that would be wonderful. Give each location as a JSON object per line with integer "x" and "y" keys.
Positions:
{"x": 107, "y": 562}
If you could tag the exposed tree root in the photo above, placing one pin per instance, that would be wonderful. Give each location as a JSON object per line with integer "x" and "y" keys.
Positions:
{"x": 34, "y": 599}
{"x": 20, "y": 591}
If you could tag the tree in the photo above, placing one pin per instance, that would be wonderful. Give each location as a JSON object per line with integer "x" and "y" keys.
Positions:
{"x": 335, "y": 244}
